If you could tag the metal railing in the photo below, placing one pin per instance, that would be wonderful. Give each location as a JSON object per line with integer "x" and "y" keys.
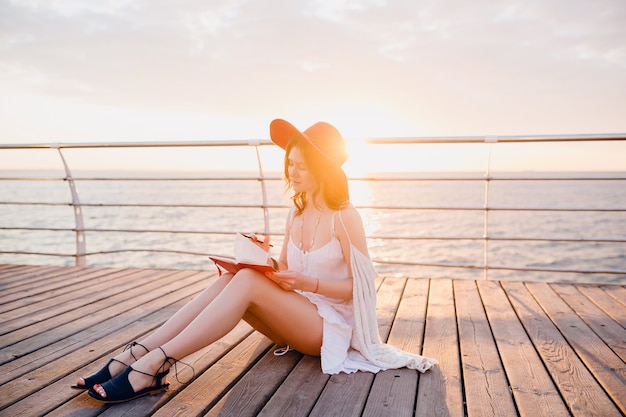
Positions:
{"x": 80, "y": 229}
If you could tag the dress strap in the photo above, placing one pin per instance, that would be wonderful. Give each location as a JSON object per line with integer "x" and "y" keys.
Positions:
{"x": 345, "y": 229}
{"x": 332, "y": 225}
{"x": 292, "y": 215}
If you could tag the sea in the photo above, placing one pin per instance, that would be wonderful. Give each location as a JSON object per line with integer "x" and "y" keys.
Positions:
{"x": 437, "y": 226}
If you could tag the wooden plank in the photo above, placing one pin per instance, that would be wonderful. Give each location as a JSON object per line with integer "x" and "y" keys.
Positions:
{"x": 345, "y": 394}
{"x": 573, "y": 380}
{"x": 604, "y": 326}
{"x": 603, "y": 363}
{"x": 299, "y": 391}
{"x": 32, "y": 337}
{"x": 409, "y": 323}
{"x": 608, "y": 304}
{"x": 206, "y": 390}
{"x": 26, "y": 284}
{"x": 257, "y": 386}
{"x": 439, "y": 392}
{"x": 15, "y": 273}
{"x": 72, "y": 297}
{"x": 4, "y": 267}
{"x": 393, "y": 391}
{"x": 486, "y": 388}
{"x": 533, "y": 390}
{"x": 51, "y": 363}
{"x": 42, "y": 283}
{"x": 22, "y": 275}
{"x": 617, "y": 292}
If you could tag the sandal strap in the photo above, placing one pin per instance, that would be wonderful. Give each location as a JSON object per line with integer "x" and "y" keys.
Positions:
{"x": 174, "y": 363}
{"x": 130, "y": 347}
{"x": 282, "y": 350}
{"x": 160, "y": 373}
{"x": 142, "y": 372}
{"x": 116, "y": 360}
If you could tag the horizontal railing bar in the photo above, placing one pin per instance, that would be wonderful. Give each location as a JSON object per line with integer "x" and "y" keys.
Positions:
{"x": 66, "y": 255}
{"x": 409, "y": 238}
{"x": 483, "y": 178}
{"x": 377, "y": 141}
{"x": 379, "y": 261}
{"x": 503, "y": 268}
{"x": 417, "y": 208}
{"x": 452, "y": 208}
{"x": 143, "y": 205}
{"x": 235, "y": 178}
{"x": 494, "y": 178}
{"x": 572, "y": 271}
{"x": 364, "y": 179}
{"x": 106, "y": 252}
{"x": 496, "y": 139}
{"x": 146, "y": 144}
{"x": 183, "y": 252}
{"x": 51, "y": 229}
{"x": 503, "y": 239}
{"x": 142, "y": 179}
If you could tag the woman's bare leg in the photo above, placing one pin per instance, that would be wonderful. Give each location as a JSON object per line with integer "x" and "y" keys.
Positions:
{"x": 170, "y": 328}
{"x": 286, "y": 314}
{"x": 183, "y": 317}
{"x": 260, "y": 326}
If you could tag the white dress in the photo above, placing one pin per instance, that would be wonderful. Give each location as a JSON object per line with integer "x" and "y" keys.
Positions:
{"x": 340, "y": 337}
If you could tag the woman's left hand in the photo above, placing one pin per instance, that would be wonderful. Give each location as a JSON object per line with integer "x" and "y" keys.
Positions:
{"x": 287, "y": 280}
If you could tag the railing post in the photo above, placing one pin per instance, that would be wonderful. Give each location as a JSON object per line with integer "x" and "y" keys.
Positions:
{"x": 266, "y": 217}
{"x": 81, "y": 243}
{"x": 489, "y": 140}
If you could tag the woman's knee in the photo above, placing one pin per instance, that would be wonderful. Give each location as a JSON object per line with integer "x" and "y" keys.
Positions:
{"x": 250, "y": 279}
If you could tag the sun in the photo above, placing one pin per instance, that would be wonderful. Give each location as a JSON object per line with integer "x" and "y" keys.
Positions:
{"x": 360, "y": 153}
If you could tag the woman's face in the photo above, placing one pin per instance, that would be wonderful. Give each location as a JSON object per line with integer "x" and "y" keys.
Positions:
{"x": 302, "y": 180}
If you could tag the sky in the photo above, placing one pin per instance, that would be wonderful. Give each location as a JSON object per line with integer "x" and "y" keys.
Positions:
{"x": 154, "y": 70}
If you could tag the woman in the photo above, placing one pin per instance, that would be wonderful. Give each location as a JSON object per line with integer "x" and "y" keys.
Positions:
{"x": 321, "y": 302}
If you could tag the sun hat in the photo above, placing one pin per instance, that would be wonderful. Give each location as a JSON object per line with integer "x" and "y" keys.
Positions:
{"x": 324, "y": 138}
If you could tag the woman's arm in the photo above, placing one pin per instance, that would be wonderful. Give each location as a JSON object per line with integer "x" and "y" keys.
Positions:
{"x": 354, "y": 226}
{"x": 282, "y": 260}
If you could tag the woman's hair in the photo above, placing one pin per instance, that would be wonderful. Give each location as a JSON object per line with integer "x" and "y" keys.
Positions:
{"x": 331, "y": 180}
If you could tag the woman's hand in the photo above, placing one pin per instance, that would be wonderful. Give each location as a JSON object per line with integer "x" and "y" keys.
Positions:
{"x": 288, "y": 280}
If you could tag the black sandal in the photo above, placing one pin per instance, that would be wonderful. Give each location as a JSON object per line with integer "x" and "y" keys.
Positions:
{"x": 120, "y": 390}
{"x": 104, "y": 374}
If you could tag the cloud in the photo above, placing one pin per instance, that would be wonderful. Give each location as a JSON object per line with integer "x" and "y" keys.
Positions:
{"x": 439, "y": 66}
{"x": 76, "y": 8}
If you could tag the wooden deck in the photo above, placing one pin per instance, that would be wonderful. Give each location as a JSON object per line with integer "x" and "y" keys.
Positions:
{"x": 505, "y": 349}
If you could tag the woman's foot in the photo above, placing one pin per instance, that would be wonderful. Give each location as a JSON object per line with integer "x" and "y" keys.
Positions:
{"x": 147, "y": 376}
{"x": 113, "y": 367}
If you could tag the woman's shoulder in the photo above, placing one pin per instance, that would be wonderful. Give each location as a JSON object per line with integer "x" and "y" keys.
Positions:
{"x": 350, "y": 217}
{"x": 349, "y": 227}
{"x": 348, "y": 212}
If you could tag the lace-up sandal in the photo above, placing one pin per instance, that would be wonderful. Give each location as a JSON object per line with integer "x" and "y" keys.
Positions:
{"x": 119, "y": 389}
{"x": 104, "y": 374}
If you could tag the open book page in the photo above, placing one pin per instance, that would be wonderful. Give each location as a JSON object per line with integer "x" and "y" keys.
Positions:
{"x": 249, "y": 252}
